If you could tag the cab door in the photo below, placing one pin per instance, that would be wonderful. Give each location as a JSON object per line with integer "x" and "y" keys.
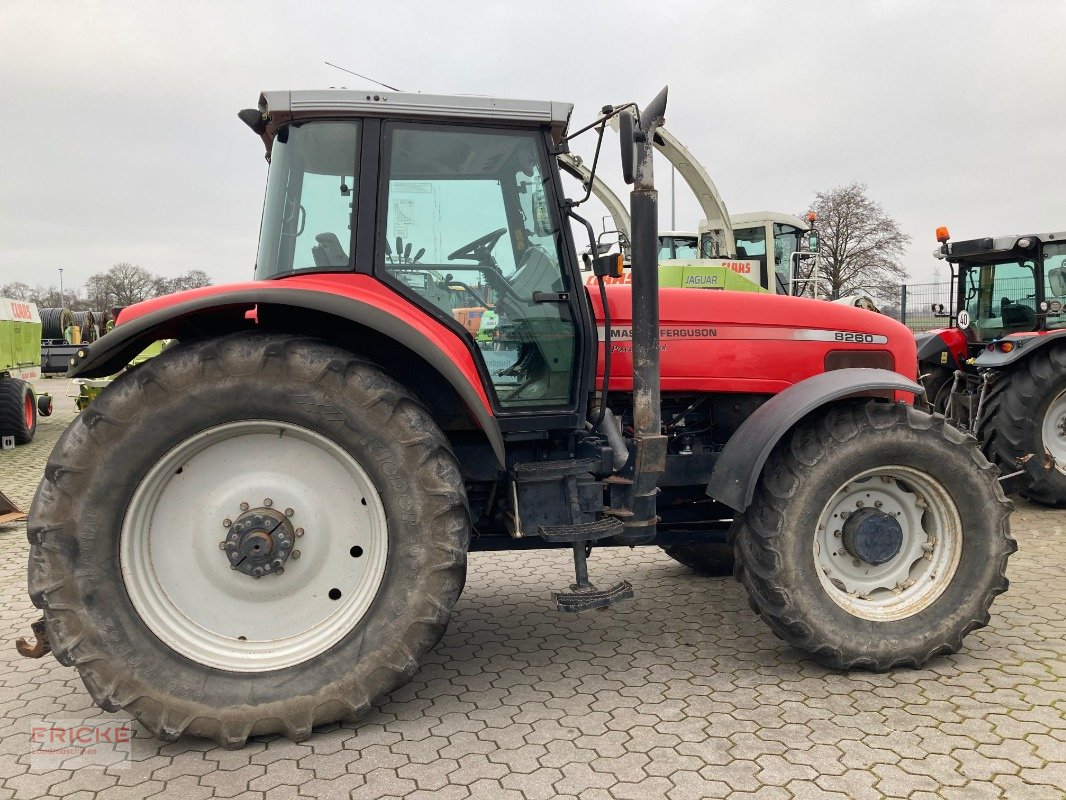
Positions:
{"x": 469, "y": 228}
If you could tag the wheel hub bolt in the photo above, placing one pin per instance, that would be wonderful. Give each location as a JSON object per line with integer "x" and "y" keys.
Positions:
{"x": 295, "y": 553}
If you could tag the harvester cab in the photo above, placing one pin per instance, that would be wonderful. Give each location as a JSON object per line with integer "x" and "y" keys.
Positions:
{"x": 418, "y": 371}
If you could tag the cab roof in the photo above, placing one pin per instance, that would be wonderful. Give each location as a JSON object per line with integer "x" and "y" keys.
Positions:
{"x": 279, "y": 107}
{"x": 993, "y": 248}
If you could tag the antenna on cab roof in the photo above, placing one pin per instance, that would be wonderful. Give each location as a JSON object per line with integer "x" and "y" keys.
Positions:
{"x": 364, "y": 77}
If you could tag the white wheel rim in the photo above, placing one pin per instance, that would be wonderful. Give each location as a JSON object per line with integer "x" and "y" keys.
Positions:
{"x": 925, "y": 563}
{"x": 1054, "y": 430}
{"x": 182, "y": 584}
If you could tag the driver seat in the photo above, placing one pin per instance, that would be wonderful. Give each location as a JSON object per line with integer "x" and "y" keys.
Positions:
{"x": 328, "y": 252}
{"x": 1057, "y": 278}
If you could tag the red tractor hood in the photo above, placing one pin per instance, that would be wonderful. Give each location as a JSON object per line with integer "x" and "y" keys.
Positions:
{"x": 726, "y": 341}
{"x": 710, "y": 340}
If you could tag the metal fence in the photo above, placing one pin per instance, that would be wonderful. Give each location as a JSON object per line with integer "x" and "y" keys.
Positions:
{"x": 1010, "y": 302}
{"x": 913, "y": 305}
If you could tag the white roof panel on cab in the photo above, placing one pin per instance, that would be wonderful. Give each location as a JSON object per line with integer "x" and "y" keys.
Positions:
{"x": 317, "y": 102}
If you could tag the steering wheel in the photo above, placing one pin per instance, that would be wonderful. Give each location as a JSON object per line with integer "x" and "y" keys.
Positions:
{"x": 479, "y": 249}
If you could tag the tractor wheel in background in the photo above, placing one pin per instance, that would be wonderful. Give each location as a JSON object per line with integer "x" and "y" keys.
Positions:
{"x": 18, "y": 410}
{"x": 279, "y": 537}
{"x": 937, "y": 383}
{"x": 714, "y": 559}
{"x": 1026, "y": 413}
{"x": 878, "y": 537}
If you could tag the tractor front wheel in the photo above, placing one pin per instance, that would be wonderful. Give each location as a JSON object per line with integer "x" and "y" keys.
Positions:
{"x": 278, "y": 538}
{"x": 878, "y": 537}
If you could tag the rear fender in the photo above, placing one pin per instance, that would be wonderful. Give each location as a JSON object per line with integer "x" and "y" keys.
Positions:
{"x": 340, "y": 318}
{"x": 1024, "y": 346}
{"x": 737, "y": 470}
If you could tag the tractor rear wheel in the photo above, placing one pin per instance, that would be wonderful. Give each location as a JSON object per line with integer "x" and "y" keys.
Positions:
{"x": 278, "y": 536}
{"x": 18, "y": 410}
{"x": 878, "y": 537}
{"x": 714, "y": 559}
{"x": 1026, "y": 413}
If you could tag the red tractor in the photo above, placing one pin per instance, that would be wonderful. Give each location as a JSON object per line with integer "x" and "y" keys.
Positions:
{"x": 999, "y": 370}
{"x": 293, "y": 488}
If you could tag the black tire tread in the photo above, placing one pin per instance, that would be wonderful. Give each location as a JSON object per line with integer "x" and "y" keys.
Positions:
{"x": 1007, "y": 419}
{"x": 714, "y": 559}
{"x": 12, "y": 418}
{"x": 53, "y": 535}
{"x": 758, "y": 530}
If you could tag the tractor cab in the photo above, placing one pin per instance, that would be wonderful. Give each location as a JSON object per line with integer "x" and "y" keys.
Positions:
{"x": 465, "y": 223}
{"x": 776, "y": 242}
{"x": 1005, "y": 285}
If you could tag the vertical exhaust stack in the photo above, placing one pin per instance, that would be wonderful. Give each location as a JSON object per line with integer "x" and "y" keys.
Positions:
{"x": 637, "y": 137}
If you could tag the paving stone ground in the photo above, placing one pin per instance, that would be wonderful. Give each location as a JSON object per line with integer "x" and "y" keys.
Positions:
{"x": 681, "y": 693}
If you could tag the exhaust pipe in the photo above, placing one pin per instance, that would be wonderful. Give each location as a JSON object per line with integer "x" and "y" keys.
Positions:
{"x": 650, "y": 444}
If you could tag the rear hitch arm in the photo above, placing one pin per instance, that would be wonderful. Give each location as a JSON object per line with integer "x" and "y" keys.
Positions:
{"x": 1032, "y": 468}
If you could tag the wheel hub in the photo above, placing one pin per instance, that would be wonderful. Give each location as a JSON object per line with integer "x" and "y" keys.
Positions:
{"x": 873, "y": 536}
{"x": 259, "y": 542}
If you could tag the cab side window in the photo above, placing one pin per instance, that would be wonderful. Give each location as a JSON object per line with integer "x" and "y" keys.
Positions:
{"x": 470, "y": 230}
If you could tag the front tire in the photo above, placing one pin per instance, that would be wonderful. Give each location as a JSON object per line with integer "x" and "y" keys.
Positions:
{"x": 170, "y": 579}
{"x": 1026, "y": 413}
{"x": 18, "y": 410}
{"x": 899, "y": 583}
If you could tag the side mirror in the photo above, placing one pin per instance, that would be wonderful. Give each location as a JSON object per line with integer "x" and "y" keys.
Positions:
{"x": 812, "y": 242}
{"x": 608, "y": 266}
{"x": 629, "y": 146}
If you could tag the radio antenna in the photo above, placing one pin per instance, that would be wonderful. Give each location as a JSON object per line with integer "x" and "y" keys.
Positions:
{"x": 364, "y": 77}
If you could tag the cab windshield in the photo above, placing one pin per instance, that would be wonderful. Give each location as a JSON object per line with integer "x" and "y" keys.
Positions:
{"x": 675, "y": 247}
{"x": 1000, "y": 298}
{"x": 1055, "y": 283}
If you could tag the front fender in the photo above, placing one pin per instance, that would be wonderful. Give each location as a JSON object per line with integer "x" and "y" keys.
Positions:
{"x": 737, "y": 470}
{"x": 363, "y": 301}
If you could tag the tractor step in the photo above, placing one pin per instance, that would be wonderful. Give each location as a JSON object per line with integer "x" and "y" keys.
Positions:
{"x": 589, "y": 599}
{"x": 547, "y": 470}
{"x": 582, "y": 532}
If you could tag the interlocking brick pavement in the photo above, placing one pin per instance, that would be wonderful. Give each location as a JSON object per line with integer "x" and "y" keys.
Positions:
{"x": 681, "y": 693}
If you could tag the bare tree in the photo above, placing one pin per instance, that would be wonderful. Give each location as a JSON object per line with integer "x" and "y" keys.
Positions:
{"x": 122, "y": 285}
{"x": 17, "y": 290}
{"x": 193, "y": 279}
{"x": 44, "y": 296}
{"x": 861, "y": 245}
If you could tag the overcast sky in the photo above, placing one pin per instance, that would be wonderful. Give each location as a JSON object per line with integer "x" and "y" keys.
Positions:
{"x": 121, "y": 141}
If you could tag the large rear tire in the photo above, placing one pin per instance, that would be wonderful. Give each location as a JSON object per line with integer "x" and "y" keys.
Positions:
{"x": 173, "y": 579}
{"x": 1026, "y": 413}
{"x": 18, "y": 410}
{"x": 897, "y": 584}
